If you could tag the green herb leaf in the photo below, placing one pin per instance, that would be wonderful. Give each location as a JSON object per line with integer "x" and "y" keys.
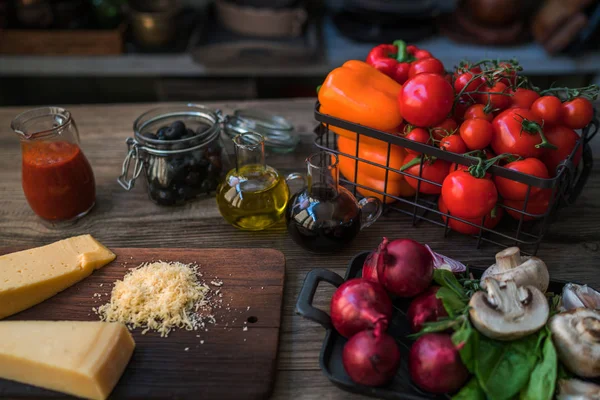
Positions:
{"x": 542, "y": 382}
{"x": 446, "y": 279}
{"x": 467, "y": 339}
{"x": 441, "y": 325}
{"x": 504, "y": 368}
{"x": 471, "y": 391}
{"x": 453, "y": 304}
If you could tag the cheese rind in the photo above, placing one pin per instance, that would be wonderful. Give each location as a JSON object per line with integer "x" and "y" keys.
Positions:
{"x": 31, "y": 276}
{"x": 81, "y": 358}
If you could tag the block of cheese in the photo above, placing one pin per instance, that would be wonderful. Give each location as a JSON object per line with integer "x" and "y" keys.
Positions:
{"x": 81, "y": 358}
{"x": 31, "y": 276}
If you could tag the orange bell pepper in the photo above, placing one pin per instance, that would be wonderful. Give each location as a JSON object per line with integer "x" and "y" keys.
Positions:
{"x": 359, "y": 93}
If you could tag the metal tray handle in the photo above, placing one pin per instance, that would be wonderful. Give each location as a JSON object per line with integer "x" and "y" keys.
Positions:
{"x": 304, "y": 306}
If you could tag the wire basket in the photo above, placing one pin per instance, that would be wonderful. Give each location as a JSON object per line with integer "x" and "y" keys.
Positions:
{"x": 524, "y": 233}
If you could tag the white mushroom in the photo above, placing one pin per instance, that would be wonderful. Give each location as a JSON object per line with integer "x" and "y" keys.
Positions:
{"x": 575, "y": 389}
{"x": 508, "y": 312}
{"x": 578, "y": 296}
{"x": 576, "y": 335}
{"x": 525, "y": 271}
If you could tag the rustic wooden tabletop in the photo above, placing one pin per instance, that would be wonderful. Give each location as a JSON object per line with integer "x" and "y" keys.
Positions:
{"x": 128, "y": 219}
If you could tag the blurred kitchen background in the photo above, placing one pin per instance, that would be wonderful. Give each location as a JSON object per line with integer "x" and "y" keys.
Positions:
{"x": 99, "y": 51}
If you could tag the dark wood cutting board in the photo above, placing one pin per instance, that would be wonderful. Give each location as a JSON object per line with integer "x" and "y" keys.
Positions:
{"x": 230, "y": 364}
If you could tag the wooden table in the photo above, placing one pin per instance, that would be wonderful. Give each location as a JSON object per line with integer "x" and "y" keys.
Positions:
{"x": 129, "y": 219}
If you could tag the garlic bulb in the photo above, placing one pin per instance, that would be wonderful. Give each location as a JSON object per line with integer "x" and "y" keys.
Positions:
{"x": 579, "y": 296}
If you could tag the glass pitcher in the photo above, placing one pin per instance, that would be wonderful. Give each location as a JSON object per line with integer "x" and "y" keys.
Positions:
{"x": 57, "y": 178}
{"x": 253, "y": 195}
{"x": 325, "y": 217}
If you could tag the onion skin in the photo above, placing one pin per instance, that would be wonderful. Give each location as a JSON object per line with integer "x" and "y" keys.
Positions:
{"x": 359, "y": 304}
{"x": 371, "y": 358}
{"x": 405, "y": 267}
{"x": 369, "y": 270}
{"x": 425, "y": 308}
{"x": 435, "y": 365}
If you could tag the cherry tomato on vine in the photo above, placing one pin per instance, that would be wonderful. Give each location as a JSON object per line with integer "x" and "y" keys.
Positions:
{"x": 522, "y": 98}
{"x": 548, "y": 109}
{"x": 510, "y": 75}
{"x": 537, "y": 205}
{"x": 513, "y": 190}
{"x": 476, "y": 133}
{"x": 418, "y": 135}
{"x": 577, "y": 113}
{"x": 446, "y": 128}
{"x": 462, "y": 227}
{"x": 434, "y": 171}
{"x": 486, "y": 152}
{"x": 565, "y": 139}
{"x": 498, "y": 97}
{"x": 426, "y": 65}
{"x": 467, "y": 196}
{"x": 426, "y": 99}
{"x": 467, "y": 81}
{"x": 517, "y": 131}
{"x": 478, "y": 111}
{"x": 453, "y": 144}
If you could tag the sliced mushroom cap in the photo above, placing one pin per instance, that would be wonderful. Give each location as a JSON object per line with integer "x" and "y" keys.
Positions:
{"x": 576, "y": 335}
{"x": 508, "y": 312}
{"x": 525, "y": 271}
{"x": 575, "y": 389}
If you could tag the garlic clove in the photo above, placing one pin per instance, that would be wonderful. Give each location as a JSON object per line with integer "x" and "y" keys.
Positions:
{"x": 579, "y": 296}
{"x": 575, "y": 389}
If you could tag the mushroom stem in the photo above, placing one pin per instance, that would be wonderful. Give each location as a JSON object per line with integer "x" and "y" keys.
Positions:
{"x": 509, "y": 300}
{"x": 508, "y": 258}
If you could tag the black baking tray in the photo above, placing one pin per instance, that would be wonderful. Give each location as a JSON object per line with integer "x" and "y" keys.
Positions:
{"x": 330, "y": 360}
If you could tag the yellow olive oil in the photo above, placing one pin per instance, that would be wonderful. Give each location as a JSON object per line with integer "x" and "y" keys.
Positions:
{"x": 253, "y": 197}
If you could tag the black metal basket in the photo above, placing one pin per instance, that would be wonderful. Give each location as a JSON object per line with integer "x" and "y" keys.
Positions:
{"x": 566, "y": 185}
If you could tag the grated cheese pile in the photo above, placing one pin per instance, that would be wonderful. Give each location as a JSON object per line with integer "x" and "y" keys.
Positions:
{"x": 158, "y": 296}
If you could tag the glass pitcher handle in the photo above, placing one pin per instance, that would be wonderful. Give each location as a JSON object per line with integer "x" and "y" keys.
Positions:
{"x": 368, "y": 219}
{"x": 295, "y": 176}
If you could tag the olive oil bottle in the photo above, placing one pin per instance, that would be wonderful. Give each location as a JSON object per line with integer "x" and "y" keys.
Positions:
{"x": 253, "y": 195}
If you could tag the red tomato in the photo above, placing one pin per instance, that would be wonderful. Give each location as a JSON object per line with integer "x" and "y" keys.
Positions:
{"x": 453, "y": 144}
{"x": 462, "y": 80}
{"x": 418, "y": 135}
{"x": 434, "y": 171}
{"x": 419, "y": 53}
{"x": 486, "y": 152}
{"x": 476, "y": 133}
{"x": 565, "y": 139}
{"x": 462, "y": 227}
{"x": 548, "y": 109}
{"x": 577, "y": 113}
{"x": 425, "y": 99}
{"x": 513, "y": 190}
{"x": 523, "y": 98}
{"x": 467, "y": 196}
{"x": 510, "y": 75}
{"x": 430, "y": 65}
{"x": 510, "y": 137}
{"x": 446, "y": 128}
{"x": 499, "y": 99}
{"x": 537, "y": 205}
{"x": 477, "y": 111}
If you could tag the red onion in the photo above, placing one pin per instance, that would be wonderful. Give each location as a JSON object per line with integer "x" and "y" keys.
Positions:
{"x": 371, "y": 358}
{"x": 442, "y": 262}
{"x": 359, "y": 304}
{"x": 425, "y": 308}
{"x": 435, "y": 365}
{"x": 369, "y": 271}
{"x": 405, "y": 267}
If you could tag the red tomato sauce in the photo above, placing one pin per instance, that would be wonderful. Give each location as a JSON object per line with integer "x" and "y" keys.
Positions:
{"x": 58, "y": 180}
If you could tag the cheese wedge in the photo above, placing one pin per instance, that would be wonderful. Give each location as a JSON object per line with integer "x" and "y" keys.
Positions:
{"x": 31, "y": 276}
{"x": 81, "y": 358}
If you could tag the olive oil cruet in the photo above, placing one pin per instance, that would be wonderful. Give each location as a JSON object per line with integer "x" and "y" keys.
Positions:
{"x": 325, "y": 217}
{"x": 253, "y": 195}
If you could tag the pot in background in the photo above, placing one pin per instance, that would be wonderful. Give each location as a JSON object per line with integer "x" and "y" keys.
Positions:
{"x": 154, "y": 22}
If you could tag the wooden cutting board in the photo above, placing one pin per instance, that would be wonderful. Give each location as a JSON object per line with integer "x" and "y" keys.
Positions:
{"x": 232, "y": 363}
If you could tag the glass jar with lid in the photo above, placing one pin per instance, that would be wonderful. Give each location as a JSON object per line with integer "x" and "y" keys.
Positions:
{"x": 179, "y": 150}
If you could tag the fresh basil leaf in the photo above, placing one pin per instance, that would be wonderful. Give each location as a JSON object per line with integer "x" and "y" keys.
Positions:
{"x": 453, "y": 304}
{"x": 471, "y": 391}
{"x": 446, "y": 279}
{"x": 542, "y": 382}
{"x": 504, "y": 368}
{"x": 467, "y": 340}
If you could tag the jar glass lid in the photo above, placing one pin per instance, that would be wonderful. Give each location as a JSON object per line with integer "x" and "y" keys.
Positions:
{"x": 278, "y": 132}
